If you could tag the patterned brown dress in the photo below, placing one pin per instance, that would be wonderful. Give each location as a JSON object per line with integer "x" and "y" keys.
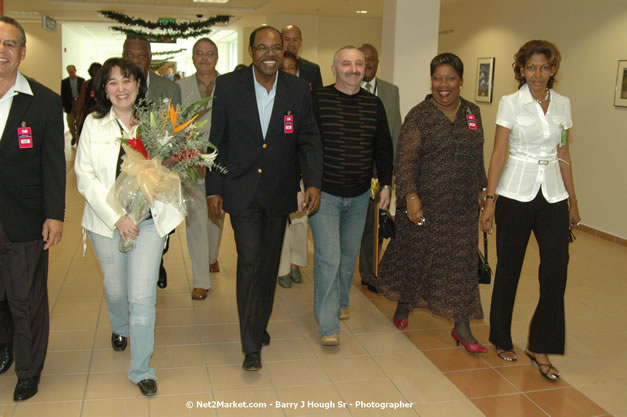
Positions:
{"x": 435, "y": 266}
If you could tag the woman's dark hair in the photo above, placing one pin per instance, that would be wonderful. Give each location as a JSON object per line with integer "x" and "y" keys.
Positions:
{"x": 289, "y": 55}
{"x": 448, "y": 58}
{"x": 128, "y": 69}
{"x": 531, "y": 48}
{"x": 93, "y": 68}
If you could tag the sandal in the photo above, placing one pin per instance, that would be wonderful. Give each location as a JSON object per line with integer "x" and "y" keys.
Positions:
{"x": 506, "y": 355}
{"x": 546, "y": 369}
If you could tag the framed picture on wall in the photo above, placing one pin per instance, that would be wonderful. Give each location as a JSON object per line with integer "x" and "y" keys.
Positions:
{"x": 620, "y": 95}
{"x": 485, "y": 79}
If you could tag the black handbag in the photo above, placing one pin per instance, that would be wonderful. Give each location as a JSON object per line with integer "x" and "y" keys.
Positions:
{"x": 387, "y": 229}
{"x": 484, "y": 270}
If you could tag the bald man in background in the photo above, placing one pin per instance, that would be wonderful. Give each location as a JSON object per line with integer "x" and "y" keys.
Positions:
{"x": 307, "y": 70}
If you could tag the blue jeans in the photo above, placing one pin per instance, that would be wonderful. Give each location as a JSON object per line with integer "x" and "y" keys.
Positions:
{"x": 130, "y": 283}
{"x": 337, "y": 228}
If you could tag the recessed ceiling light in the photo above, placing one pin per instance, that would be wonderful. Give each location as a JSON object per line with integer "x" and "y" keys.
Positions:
{"x": 210, "y": 1}
{"x": 361, "y": 11}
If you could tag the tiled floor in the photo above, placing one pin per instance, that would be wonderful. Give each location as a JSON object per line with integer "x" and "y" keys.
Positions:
{"x": 198, "y": 358}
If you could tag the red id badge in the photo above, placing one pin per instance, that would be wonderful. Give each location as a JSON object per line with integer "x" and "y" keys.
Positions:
{"x": 472, "y": 121}
{"x": 24, "y": 137}
{"x": 288, "y": 123}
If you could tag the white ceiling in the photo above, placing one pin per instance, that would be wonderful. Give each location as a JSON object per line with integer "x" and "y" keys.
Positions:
{"x": 66, "y": 11}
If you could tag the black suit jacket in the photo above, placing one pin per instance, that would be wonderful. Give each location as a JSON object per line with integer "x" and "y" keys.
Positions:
{"x": 32, "y": 180}
{"x": 277, "y": 162}
{"x": 309, "y": 71}
{"x": 66, "y": 92}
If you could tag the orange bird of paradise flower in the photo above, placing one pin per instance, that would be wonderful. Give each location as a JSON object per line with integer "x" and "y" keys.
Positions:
{"x": 175, "y": 129}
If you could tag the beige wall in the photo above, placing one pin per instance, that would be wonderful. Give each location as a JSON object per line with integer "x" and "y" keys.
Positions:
{"x": 591, "y": 39}
{"x": 43, "y": 60}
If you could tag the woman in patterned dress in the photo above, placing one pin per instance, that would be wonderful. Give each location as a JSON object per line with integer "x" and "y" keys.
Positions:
{"x": 432, "y": 262}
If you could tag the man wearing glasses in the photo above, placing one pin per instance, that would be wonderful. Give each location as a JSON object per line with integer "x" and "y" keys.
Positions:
{"x": 263, "y": 125}
{"x": 31, "y": 209}
{"x": 203, "y": 233}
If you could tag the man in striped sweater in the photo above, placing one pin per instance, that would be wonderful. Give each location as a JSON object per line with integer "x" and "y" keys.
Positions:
{"x": 355, "y": 134}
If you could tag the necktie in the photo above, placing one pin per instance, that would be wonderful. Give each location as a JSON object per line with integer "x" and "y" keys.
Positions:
{"x": 368, "y": 87}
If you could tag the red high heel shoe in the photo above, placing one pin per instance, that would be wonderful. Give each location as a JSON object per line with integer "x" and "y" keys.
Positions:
{"x": 470, "y": 347}
{"x": 400, "y": 323}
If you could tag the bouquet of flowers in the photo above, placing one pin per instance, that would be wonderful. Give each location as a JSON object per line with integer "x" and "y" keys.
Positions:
{"x": 163, "y": 151}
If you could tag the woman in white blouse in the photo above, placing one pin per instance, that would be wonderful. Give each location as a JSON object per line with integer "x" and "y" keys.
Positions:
{"x": 130, "y": 279}
{"x": 536, "y": 193}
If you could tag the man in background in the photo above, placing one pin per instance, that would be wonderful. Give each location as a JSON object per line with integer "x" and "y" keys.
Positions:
{"x": 137, "y": 50}
{"x": 70, "y": 92}
{"x": 388, "y": 93}
{"x": 204, "y": 233}
{"x": 307, "y": 70}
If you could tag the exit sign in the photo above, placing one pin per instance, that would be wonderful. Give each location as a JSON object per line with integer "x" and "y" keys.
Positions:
{"x": 166, "y": 20}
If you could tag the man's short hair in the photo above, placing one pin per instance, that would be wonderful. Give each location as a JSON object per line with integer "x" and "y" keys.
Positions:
{"x": 136, "y": 37}
{"x": 13, "y": 22}
{"x": 251, "y": 41}
{"x": 205, "y": 40}
{"x": 337, "y": 53}
{"x": 70, "y": 66}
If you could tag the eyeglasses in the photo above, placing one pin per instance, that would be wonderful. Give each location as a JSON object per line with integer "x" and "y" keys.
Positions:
{"x": 262, "y": 49}
{"x": 10, "y": 43}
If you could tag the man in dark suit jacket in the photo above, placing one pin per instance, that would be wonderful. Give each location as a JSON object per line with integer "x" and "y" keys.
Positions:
{"x": 70, "y": 92}
{"x": 307, "y": 70}
{"x": 32, "y": 186}
{"x": 263, "y": 126}
{"x": 137, "y": 49}
{"x": 388, "y": 93}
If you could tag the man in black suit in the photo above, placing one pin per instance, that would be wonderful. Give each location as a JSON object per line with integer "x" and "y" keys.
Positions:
{"x": 307, "y": 70}
{"x": 263, "y": 126}
{"x": 70, "y": 92}
{"x": 32, "y": 186}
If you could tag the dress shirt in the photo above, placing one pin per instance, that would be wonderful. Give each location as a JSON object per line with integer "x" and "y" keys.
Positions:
{"x": 265, "y": 102}
{"x": 373, "y": 86}
{"x": 21, "y": 86}
{"x": 533, "y": 140}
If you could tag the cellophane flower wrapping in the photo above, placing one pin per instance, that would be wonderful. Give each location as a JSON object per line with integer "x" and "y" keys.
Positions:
{"x": 164, "y": 154}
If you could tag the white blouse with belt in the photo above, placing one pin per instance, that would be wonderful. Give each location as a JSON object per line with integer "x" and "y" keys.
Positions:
{"x": 533, "y": 142}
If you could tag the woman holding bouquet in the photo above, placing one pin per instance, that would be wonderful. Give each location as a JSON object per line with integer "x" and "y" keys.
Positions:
{"x": 129, "y": 278}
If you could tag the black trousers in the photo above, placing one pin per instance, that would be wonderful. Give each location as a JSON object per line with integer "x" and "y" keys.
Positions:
{"x": 549, "y": 222}
{"x": 24, "y": 316}
{"x": 258, "y": 239}
{"x": 366, "y": 252}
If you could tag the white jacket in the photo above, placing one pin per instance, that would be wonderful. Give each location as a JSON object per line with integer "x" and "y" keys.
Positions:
{"x": 95, "y": 165}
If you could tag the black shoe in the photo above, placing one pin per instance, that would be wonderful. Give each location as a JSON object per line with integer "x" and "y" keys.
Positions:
{"x": 266, "y": 338}
{"x": 252, "y": 361}
{"x": 25, "y": 388}
{"x": 148, "y": 387}
{"x": 162, "y": 282}
{"x": 6, "y": 357}
{"x": 118, "y": 342}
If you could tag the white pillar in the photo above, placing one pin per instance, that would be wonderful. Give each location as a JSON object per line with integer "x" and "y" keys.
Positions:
{"x": 409, "y": 43}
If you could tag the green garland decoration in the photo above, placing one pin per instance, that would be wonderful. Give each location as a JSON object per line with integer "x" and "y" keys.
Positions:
{"x": 173, "y": 30}
{"x": 165, "y": 37}
{"x": 169, "y": 52}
